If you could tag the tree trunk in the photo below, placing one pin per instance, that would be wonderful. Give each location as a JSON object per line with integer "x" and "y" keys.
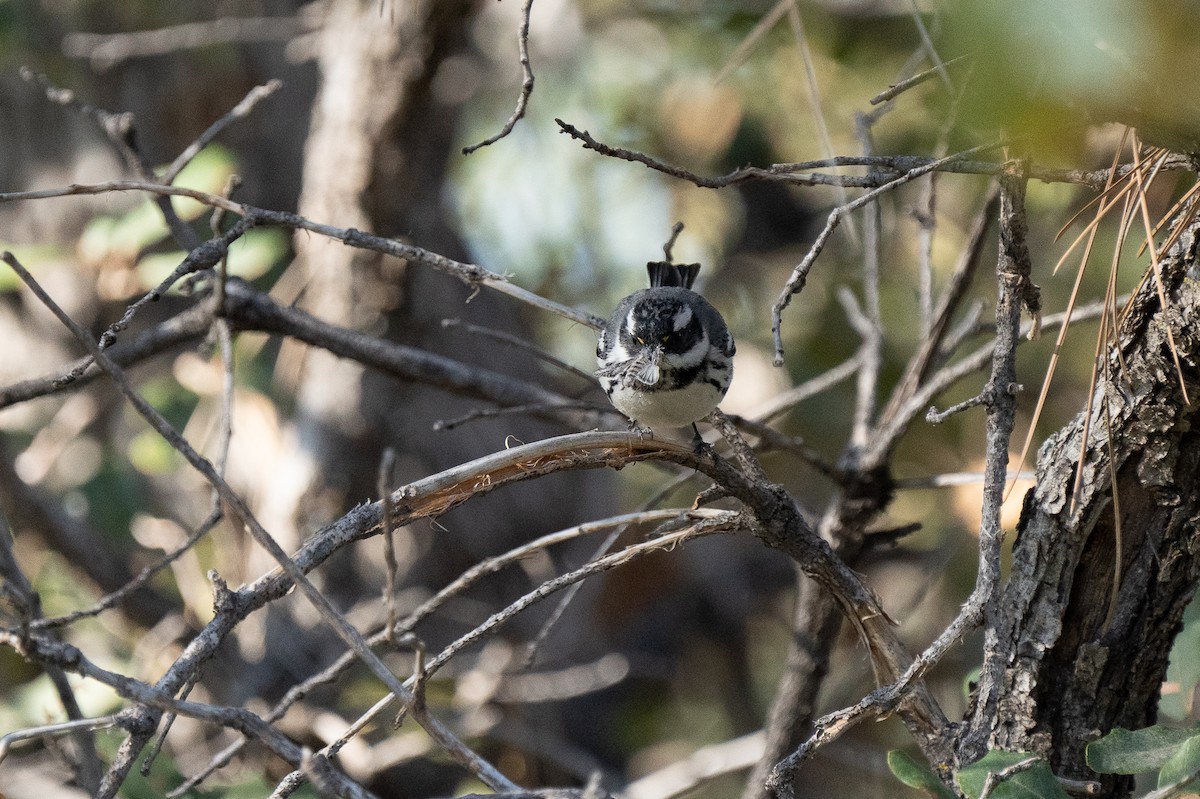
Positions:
{"x": 1102, "y": 573}
{"x": 376, "y": 69}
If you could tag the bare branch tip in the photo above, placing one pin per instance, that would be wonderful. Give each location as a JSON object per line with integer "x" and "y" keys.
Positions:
{"x": 676, "y": 229}
{"x": 526, "y": 84}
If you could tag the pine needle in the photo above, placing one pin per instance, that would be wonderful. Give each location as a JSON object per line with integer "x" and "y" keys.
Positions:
{"x": 747, "y": 45}
{"x": 1181, "y": 222}
{"x": 1108, "y": 199}
{"x": 1157, "y": 270}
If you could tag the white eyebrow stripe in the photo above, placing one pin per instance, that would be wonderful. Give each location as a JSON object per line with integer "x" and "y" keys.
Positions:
{"x": 631, "y": 320}
{"x": 682, "y": 318}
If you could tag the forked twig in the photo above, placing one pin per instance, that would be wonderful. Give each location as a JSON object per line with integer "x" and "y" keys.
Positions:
{"x": 799, "y": 276}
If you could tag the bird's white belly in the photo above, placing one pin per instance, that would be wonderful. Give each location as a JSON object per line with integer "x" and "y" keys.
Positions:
{"x": 662, "y": 409}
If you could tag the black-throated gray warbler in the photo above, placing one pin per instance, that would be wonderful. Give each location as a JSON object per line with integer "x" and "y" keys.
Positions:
{"x": 665, "y": 356}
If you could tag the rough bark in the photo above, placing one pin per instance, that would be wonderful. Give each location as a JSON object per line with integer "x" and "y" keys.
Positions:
{"x": 1084, "y": 644}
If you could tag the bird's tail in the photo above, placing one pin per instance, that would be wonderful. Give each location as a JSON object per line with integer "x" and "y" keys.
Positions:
{"x": 663, "y": 273}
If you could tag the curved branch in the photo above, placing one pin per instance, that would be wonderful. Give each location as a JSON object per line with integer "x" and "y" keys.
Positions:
{"x": 526, "y": 83}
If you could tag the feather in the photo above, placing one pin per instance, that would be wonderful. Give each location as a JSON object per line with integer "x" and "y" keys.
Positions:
{"x": 644, "y": 369}
{"x": 648, "y": 373}
{"x": 663, "y": 273}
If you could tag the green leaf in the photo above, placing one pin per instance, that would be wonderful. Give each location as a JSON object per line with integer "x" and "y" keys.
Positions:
{"x": 1136, "y": 751}
{"x": 916, "y": 775}
{"x": 1035, "y": 782}
{"x": 1183, "y": 763}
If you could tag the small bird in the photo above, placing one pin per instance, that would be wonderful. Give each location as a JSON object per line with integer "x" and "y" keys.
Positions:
{"x": 665, "y": 356}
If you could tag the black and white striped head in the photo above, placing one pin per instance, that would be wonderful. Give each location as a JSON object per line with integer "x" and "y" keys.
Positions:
{"x": 663, "y": 320}
{"x": 665, "y": 356}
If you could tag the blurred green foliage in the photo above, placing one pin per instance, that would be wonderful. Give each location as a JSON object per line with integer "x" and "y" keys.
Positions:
{"x": 1043, "y": 72}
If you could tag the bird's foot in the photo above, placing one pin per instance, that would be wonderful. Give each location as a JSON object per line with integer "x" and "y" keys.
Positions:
{"x": 642, "y": 432}
{"x": 699, "y": 445}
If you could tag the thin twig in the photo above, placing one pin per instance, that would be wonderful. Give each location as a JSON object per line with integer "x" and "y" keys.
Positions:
{"x": 771, "y": 439}
{"x": 896, "y": 89}
{"x": 121, "y": 130}
{"x": 239, "y": 111}
{"x": 676, "y": 229}
{"x": 934, "y": 416}
{"x": 419, "y": 677}
{"x": 160, "y": 736}
{"x": 526, "y": 82}
{"x": 787, "y": 400}
{"x": 884, "y": 168}
{"x": 534, "y": 645}
{"x": 560, "y": 608}
{"x": 387, "y": 465}
{"x": 224, "y": 342}
{"x": 60, "y": 728}
{"x": 468, "y": 273}
{"x": 522, "y": 344}
{"x": 867, "y": 322}
{"x": 751, "y": 39}
{"x": 799, "y": 276}
{"x": 949, "y": 375}
{"x": 927, "y": 43}
{"x": 1015, "y": 287}
{"x": 107, "y": 50}
{"x": 814, "y": 98}
{"x": 994, "y": 778}
{"x": 948, "y": 303}
{"x": 201, "y": 257}
{"x": 555, "y": 408}
{"x": 701, "y": 524}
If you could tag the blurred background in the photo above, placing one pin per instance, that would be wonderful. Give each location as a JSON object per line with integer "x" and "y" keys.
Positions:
{"x": 377, "y": 101}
